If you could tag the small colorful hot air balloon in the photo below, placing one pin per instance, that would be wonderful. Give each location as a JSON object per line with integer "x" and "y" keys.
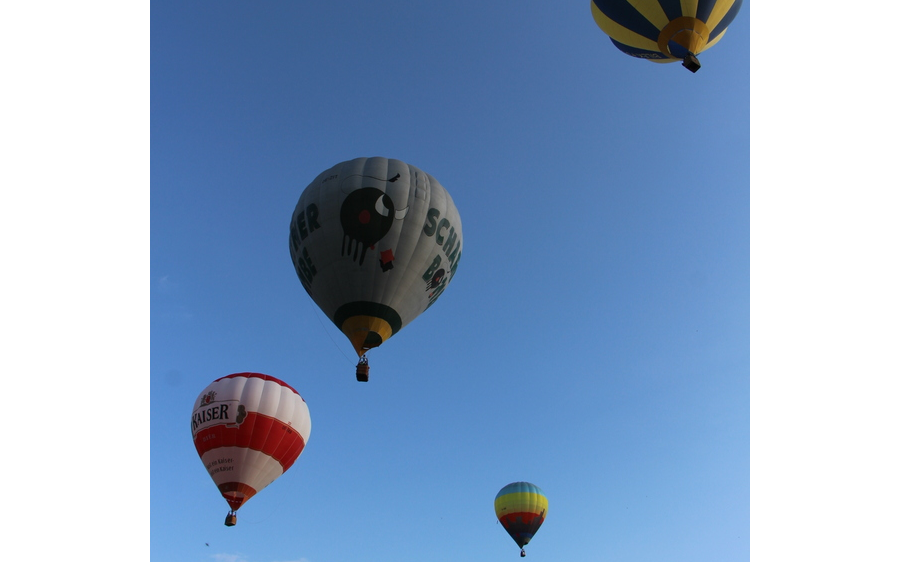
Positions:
{"x": 248, "y": 429}
{"x": 521, "y": 507}
{"x": 665, "y": 30}
{"x": 374, "y": 242}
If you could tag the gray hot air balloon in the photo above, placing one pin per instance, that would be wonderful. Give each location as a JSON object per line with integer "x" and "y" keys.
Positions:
{"x": 374, "y": 242}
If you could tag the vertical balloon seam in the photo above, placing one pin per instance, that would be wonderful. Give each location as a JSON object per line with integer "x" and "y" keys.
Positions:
{"x": 380, "y": 286}
{"x": 276, "y": 469}
{"x": 323, "y": 256}
{"x": 405, "y": 284}
{"x": 255, "y": 388}
{"x": 350, "y": 283}
{"x": 241, "y": 451}
{"x": 372, "y": 168}
{"x": 346, "y": 284}
{"x": 281, "y": 434}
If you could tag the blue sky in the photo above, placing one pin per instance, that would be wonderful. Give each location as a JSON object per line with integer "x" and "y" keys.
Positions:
{"x": 595, "y": 340}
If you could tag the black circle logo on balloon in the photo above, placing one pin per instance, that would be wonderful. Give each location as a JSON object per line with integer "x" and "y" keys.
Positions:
{"x": 366, "y": 217}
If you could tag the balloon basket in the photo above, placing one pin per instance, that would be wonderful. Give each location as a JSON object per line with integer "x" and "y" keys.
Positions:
{"x": 231, "y": 519}
{"x": 691, "y": 63}
{"x": 362, "y": 370}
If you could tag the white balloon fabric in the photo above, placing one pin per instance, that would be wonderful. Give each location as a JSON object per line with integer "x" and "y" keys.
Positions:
{"x": 375, "y": 242}
{"x": 248, "y": 429}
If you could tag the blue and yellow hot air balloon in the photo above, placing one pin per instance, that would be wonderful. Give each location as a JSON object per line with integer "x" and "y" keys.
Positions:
{"x": 665, "y": 30}
{"x": 521, "y": 507}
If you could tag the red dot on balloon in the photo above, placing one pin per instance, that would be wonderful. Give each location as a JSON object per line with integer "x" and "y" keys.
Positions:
{"x": 364, "y": 217}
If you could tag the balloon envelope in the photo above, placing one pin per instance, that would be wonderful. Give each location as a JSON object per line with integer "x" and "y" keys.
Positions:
{"x": 374, "y": 242}
{"x": 664, "y": 30}
{"x": 521, "y": 508}
{"x": 248, "y": 429}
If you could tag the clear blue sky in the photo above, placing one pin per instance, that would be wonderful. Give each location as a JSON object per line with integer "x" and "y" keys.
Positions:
{"x": 595, "y": 340}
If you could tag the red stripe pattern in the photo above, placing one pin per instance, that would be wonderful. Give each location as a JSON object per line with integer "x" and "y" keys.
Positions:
{"x": 257, "y": 432}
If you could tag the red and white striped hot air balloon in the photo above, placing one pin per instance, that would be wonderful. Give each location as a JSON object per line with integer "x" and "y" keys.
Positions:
{"x": 248, "y": 429}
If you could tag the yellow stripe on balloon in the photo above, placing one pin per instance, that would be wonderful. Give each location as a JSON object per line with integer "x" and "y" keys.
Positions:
{"x": 357, "y": 329}
{"x": 620, "y": 33}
